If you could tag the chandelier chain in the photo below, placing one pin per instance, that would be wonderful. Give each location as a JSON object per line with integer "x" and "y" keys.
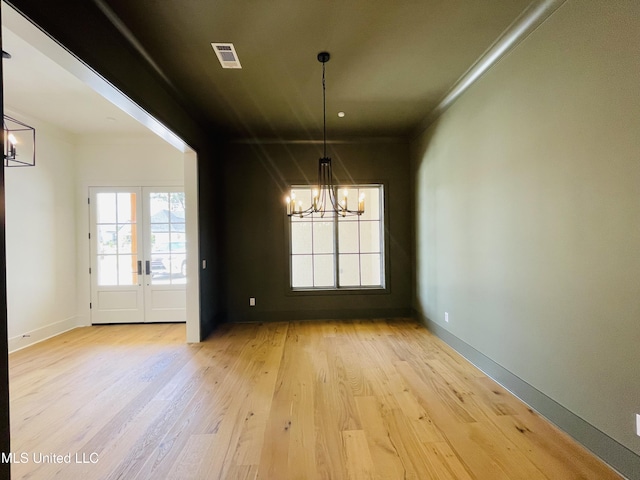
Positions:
{"x": 324, "y": 112}
{"x": 325, "y": 195}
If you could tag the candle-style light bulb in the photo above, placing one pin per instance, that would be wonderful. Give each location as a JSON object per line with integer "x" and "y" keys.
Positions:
{"x": 292, "y": 204}
{"x": 11, "y": 154}
{"x": 361, "y": 204}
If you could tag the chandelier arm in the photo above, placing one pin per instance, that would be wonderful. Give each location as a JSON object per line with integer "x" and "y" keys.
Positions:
{"x": 332, "y": 188}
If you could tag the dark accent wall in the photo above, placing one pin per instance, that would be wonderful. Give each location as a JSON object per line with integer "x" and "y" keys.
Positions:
{"x": 212, "y": 284}
{"x": 257, "y": 179}
{"x": 5, "y": 443}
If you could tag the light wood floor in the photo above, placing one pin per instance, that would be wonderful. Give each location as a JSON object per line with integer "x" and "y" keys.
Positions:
{"x": 331, "y": 400}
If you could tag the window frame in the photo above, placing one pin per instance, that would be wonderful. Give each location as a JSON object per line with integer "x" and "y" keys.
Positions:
{"x": 338, "y": 290}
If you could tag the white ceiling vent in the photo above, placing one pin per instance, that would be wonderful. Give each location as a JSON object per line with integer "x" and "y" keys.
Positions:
{"x": 227, "y": 55}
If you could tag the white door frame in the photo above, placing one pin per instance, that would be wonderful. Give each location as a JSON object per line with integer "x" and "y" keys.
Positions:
{"x": 193, "y": 252}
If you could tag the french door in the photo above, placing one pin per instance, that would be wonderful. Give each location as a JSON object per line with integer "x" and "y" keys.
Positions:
{"x": 138, "y": 254}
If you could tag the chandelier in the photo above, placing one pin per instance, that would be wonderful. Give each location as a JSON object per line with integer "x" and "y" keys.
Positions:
{"x": 19, "y": 140}
{"x": 19, "y": 143}
{"x": 325, "y": 196}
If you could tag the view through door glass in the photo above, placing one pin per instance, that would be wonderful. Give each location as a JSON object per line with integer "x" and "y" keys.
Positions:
{"x": 168, "y": 238}
{"x": 116, "y": 255}
{"x": 117, "y": 243}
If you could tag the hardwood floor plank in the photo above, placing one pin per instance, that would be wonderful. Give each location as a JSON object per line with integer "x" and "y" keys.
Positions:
{"x": 189, "y": 459}
{"x": 243, "y": 397}
{"x": 547, "y": 448}
{"x": 444, "y": 463}
{"x": 357, "y": 455}
{"x": 386, "y": 460}
{"x": 331, "y": 400}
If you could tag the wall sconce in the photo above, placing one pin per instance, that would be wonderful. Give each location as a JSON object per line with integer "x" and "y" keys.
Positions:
{"x": 19, "y": 143}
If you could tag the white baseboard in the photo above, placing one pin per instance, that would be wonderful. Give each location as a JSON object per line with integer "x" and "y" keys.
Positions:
{"x": 34, "y": 336}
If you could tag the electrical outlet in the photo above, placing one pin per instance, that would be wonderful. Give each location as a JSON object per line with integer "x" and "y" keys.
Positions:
{"x": 446, "y": 317}
{"x": 252, "y": 301}
{"x": 638, "y": 424}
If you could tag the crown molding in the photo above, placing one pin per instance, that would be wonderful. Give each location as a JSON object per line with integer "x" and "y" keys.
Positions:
{"x": 526, "y": 23}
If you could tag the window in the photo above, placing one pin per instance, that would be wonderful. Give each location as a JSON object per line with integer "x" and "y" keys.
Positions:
{"x": 335, "y": 252}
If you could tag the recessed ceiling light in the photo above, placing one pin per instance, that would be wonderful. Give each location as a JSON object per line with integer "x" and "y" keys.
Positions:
{"x": 341, "y": 114}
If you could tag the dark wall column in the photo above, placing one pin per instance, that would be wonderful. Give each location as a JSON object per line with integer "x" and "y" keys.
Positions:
{"x": 5, "y": 443}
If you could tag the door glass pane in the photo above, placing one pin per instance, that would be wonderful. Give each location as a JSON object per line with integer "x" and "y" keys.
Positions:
{"x": 106, "y": 208}
{"x": 127, "y": 270}
{"x": 107, "y": 239}
{"x": 117, "y": 240}
{"x": 126, "y": 208}
{"x": 126, "y": 238}
{"x": 107, "y": 270}
{"x": 168, "y": 238}
{"x": 159, "y": 237}
{"x": 178, "y": 232}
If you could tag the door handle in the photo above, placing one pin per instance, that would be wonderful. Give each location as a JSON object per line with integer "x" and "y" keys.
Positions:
{"x": 147, "y": 266}
{"x": 139, "y": 267}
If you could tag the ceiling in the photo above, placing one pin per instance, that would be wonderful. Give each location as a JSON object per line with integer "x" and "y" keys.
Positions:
{"x": 36, "y": 86}
{"x": 391, "y": 61}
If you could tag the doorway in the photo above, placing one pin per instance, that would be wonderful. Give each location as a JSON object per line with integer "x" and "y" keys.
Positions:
{"x": 138, "y": 249}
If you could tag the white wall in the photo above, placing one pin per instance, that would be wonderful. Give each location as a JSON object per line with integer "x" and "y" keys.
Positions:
{"x": 136, "y": 159}
{"x": 41, "y": 239}
{"x": 48, "y": 285}
{"x": 117, "y": 160}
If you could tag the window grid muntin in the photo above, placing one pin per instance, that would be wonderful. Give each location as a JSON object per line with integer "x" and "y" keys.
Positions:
{"x": 314, "y": 221}
{"x": 168, "y": 237}
{"x": 108, "y": 212}
{"x": 337, "y": 219}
